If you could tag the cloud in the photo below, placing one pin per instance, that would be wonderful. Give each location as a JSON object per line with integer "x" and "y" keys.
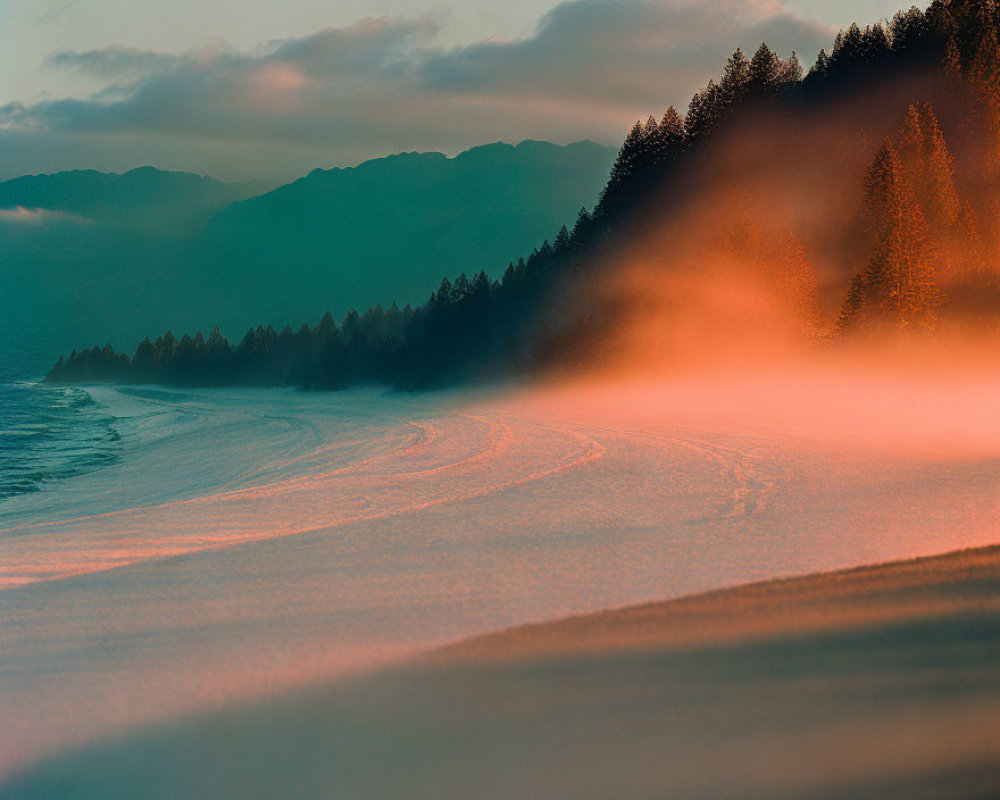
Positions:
{"x": 113, "y": 63}
{"x": 623, "y": 53}
{"x": 19, "y": 215}
{"x": 382, "y": 85}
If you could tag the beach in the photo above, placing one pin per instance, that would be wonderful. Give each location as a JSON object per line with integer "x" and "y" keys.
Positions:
{"x": 251, "y": 546}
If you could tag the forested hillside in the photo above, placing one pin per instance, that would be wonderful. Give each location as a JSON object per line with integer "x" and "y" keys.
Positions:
{"x": 858, "y": 202}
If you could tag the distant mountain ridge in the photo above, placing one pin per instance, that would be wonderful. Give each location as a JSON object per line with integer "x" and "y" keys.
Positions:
{"x": 165, "y": 249}
{"x": 390, "y": 229}
{"x": 142, "y": 198}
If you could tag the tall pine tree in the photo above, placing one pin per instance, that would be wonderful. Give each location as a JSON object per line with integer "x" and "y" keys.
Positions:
{"x": 898, "y": 287}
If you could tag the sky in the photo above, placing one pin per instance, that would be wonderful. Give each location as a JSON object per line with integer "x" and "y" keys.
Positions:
{"x": 266, "y": 91}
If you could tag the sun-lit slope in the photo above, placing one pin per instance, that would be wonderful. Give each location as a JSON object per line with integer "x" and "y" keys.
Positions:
{"x": 875, "y": 683}
{"x": 898, "y": 593}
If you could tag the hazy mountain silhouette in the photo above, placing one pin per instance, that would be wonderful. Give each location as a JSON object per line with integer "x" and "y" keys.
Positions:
{"x": 390, "y": 229}
{"x": 146, "y": 198}
{"x": 77, "y": 247}
{"x": 87, "y": 256}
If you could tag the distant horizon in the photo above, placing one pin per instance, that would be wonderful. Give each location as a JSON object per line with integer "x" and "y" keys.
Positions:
{"x": 269, "y": 185}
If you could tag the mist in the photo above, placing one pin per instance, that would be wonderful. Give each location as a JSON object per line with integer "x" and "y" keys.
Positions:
{"x": 725, "y": 309}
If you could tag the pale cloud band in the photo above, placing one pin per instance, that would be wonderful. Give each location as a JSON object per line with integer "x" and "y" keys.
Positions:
{"x": 381, "y": 85}
{"x": 19, "y": 215}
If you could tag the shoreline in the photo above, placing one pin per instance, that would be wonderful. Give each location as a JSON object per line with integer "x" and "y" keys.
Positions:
{"x": 50, "y": 435}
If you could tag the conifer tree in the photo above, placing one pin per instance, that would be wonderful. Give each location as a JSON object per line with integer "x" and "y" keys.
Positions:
{"x": 165, "y": 347}
{"x": 649, "y": 131}
{"x": 735, "y": 79}
{"x": 983, "y": 73}
{"x": 764, "y": 72}
{"x": 908, "y": 30}
{"x": 628, "y": 158}
{"x": 144, "y": 361}
{"x": 898, "y": 284}
{"x": 929, "y": 170}
{"x": 702, "y": 115}
{"x": 668, "y": 140}
{"x": 952, "y": 62}
{"x": 791, "y": 69}
{"x": 822, "y": 64}
{"x": 875, "y": 44}
{"x": 672, "y": 128}
{"x": 848, "y": 49}
{"x": 561, "y": 242}
{"x": 974, "y": 261}
{"x": 442, "y": 297}
{"x": 482, "y": 286}
{"x": 909, "y": 140}
{"x": 983, "y": 68}
{"x": 510, "y": 275}
{"x": 351, "y": 328}
{"x": 936, "y": 185}
{"x": 216, "y": 343}
{"x": 581, "y": 231}
{"x": 326, "y": 326}
{"x": 852, "y": 310}
{"x": 460, "y": 291}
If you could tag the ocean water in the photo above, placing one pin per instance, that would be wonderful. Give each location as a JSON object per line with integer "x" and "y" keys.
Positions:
{"x": 49, "y": 434}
